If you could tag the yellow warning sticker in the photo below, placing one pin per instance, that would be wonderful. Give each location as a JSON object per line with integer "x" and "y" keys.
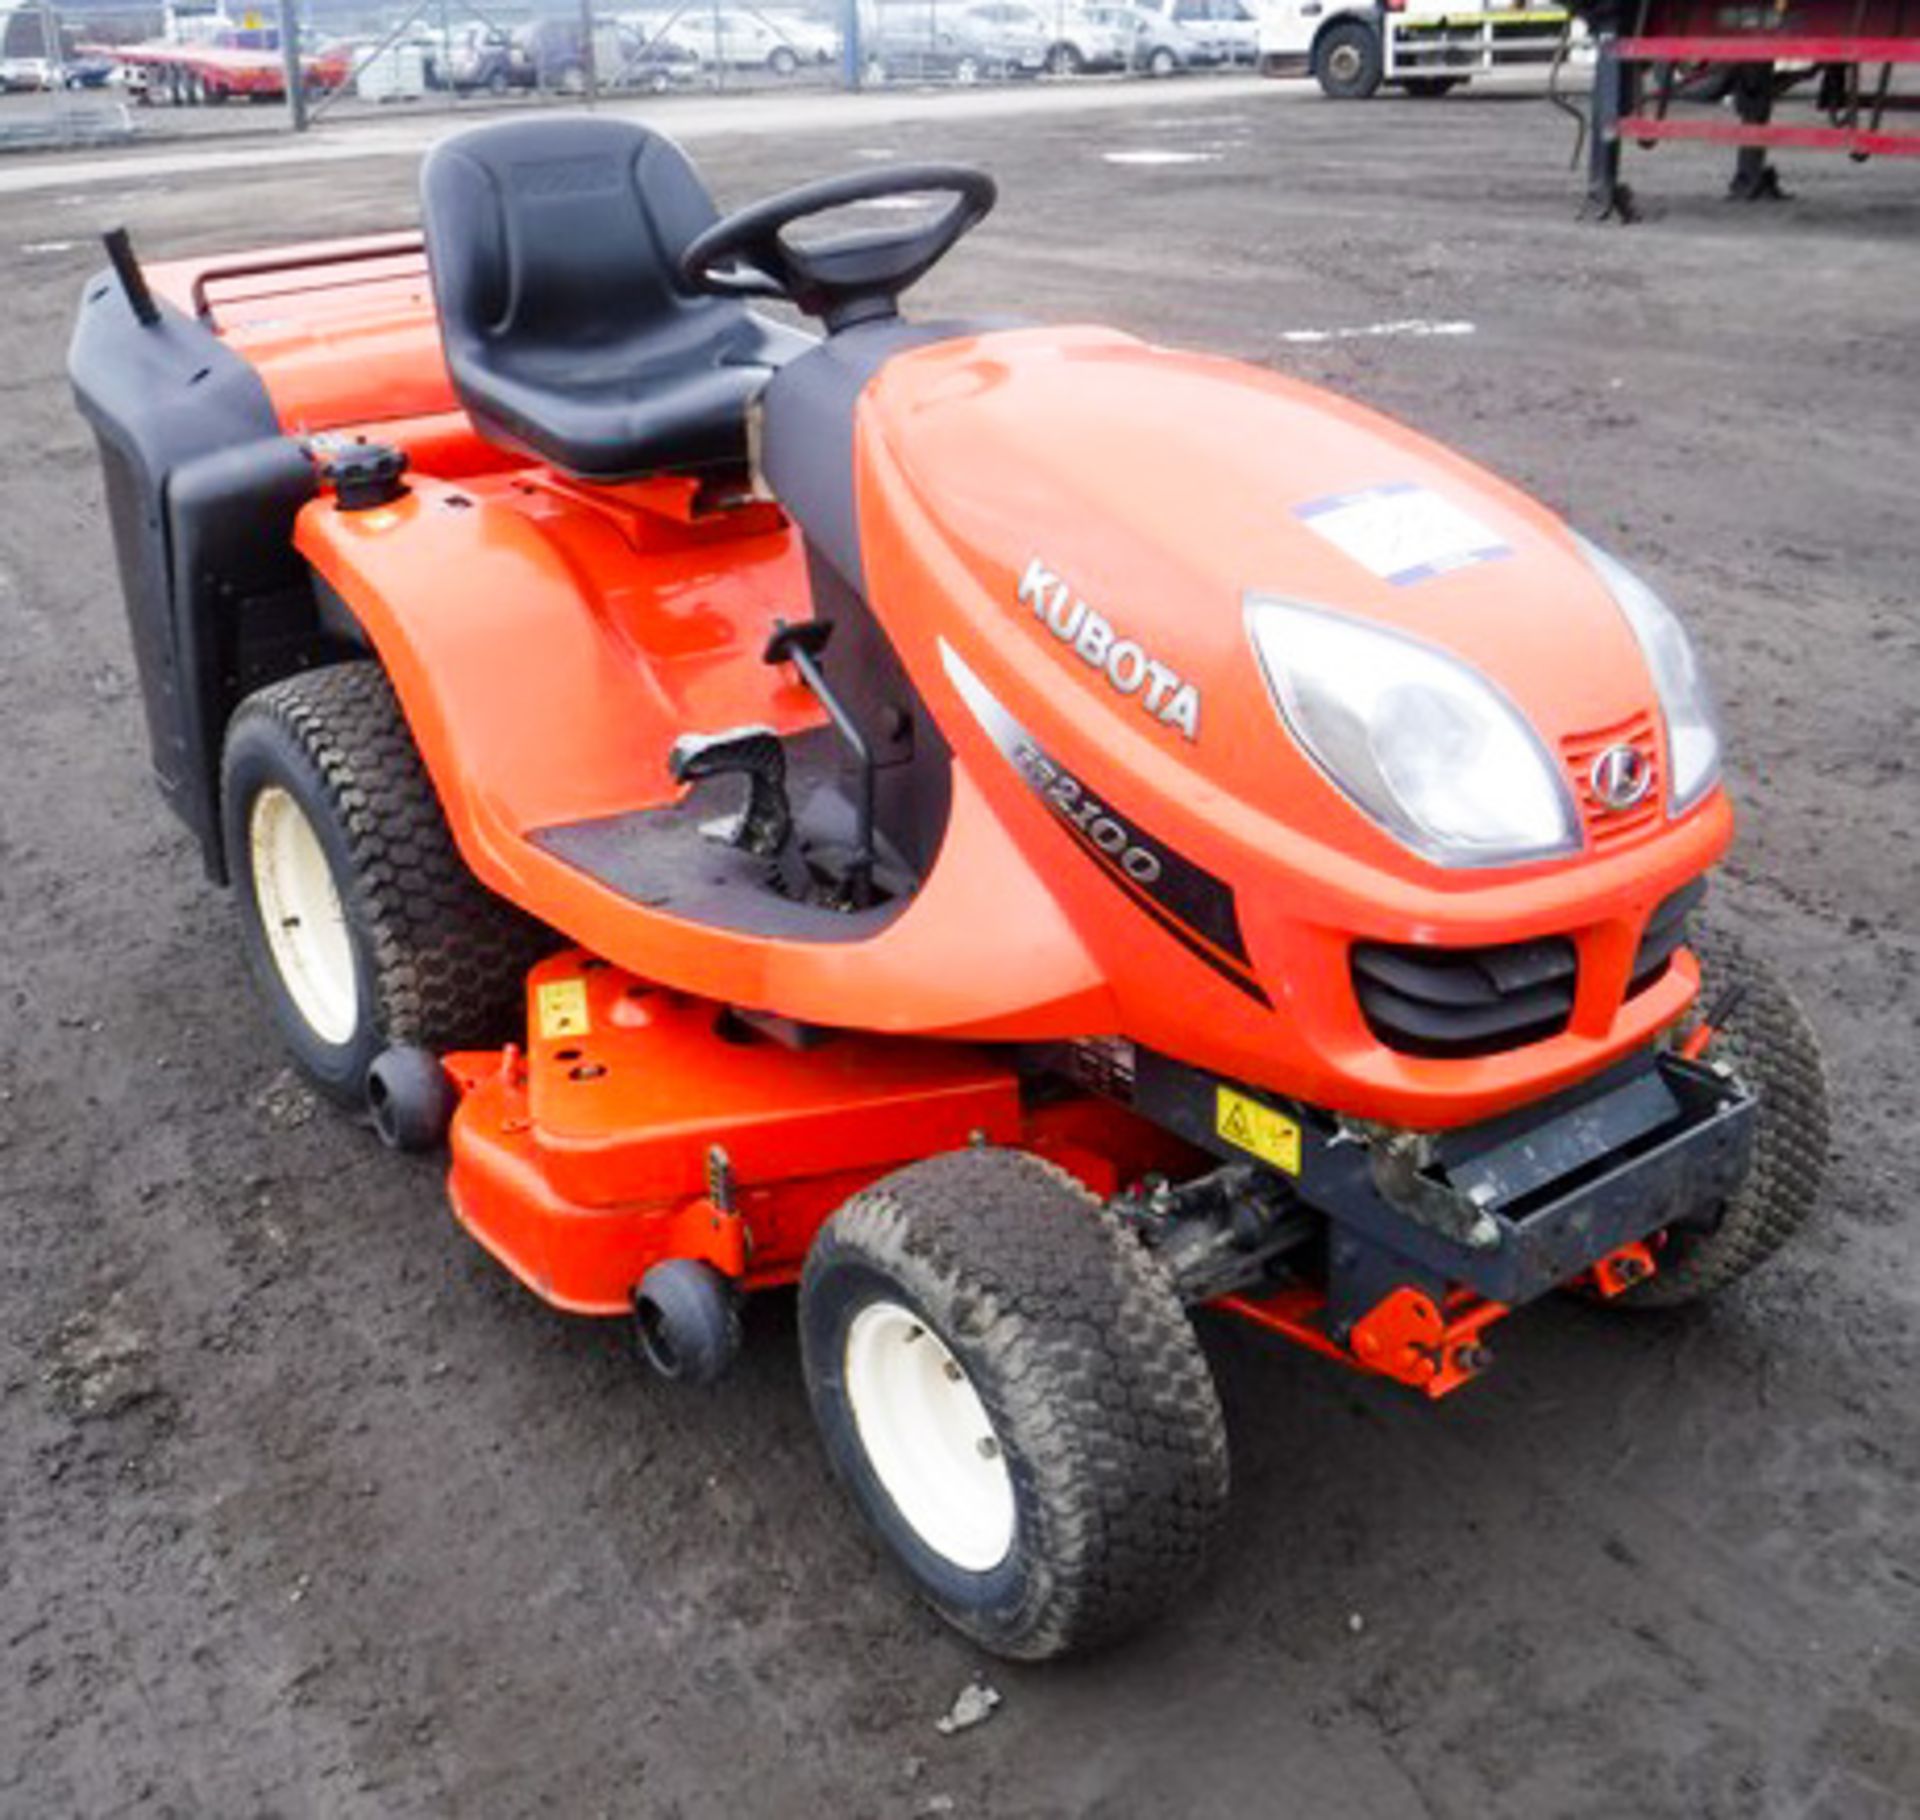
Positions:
{"x": 561, "y": 1007}
{"x": 1259, "y": 1130}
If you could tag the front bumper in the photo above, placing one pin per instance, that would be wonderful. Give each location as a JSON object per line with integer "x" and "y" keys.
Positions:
{"x": 1505, "y": 1210}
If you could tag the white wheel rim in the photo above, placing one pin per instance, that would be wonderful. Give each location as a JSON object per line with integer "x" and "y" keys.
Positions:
{"x": 301, "y": 914}
{"x": 927, "y": 1437}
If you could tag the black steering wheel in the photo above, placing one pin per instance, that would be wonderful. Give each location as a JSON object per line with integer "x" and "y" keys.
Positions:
{"x": 851, "y": 277}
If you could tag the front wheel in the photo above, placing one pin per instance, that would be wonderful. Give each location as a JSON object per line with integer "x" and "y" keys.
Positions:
{"x": 1014, "y": 1396}
{"x": 362, "y": 924}
{"x": 1770, "y": 1047}
{"x": 1162, "y": 62}
{"x": 783, "y": 62}
{"x": 1347, "y": 62}
{"x": 1065, "y": 60}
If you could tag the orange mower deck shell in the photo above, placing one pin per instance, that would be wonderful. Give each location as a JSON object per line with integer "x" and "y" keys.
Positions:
{"x": 602, "y": 1148}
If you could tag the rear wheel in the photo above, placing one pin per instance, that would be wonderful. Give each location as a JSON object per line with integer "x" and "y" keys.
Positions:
{"x": 1770, "y": 1046}
{"x": 1065, "y": 60}
{"x": 782, "y": 61}
{"x": 362, "y": 924}
{"x": 1013, "y": 1395}
{"x": 1347, "y": 61}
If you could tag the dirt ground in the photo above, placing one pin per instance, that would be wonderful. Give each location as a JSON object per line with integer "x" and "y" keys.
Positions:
{"x": 305, "y": 1509}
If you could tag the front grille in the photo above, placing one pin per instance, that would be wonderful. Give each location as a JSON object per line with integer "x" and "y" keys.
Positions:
{"x": 1609, "y": 828}
{"x": 1480, "y": 1001}
{"x": 1666, "y": 930}
{"x": 1464, "y": 1001}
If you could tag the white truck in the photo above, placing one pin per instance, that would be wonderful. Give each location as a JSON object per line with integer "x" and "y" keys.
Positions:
{"x": 1426, "y": 47}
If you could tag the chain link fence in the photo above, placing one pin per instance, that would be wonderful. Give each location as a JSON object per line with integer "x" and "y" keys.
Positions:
{"x": 94, "y": 71}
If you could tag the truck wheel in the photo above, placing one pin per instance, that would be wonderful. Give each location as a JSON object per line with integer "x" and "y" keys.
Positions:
{"x": 361, "y": 922}
{"x": 1015, "y": 1399}
{"x": 1772, "y": 1049}
{"x": 1347, "y": 61}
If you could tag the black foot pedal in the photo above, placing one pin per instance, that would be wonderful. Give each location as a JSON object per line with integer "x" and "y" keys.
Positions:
{"x": 765, "y": 825}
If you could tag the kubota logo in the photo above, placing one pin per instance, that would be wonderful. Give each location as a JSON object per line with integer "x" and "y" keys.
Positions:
{"x": 1156, "y": 686}
{"x": 1620, "y": 777}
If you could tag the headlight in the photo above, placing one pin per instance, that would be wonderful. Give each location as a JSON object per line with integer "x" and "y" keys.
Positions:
{"x": 1427, "y": 748}
{"x": 1693, "y": 724}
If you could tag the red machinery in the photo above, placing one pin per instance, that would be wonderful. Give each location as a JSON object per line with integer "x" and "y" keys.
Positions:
{"x": 190, "y": 75}
{"x": 1662, "y": 51}
{"x": 1020, "y": 971}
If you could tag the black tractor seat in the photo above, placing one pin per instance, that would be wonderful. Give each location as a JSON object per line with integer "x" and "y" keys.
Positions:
{"x": 554, "y": 247}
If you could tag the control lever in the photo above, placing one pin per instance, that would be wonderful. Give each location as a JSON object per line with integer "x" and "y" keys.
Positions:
{"x": 801, "y": 646}
{"x": 765, "y": 826}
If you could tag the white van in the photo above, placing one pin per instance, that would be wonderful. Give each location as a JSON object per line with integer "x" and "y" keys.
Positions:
{"x": 27, "y": 60}
{"x": 1426, "y": 47}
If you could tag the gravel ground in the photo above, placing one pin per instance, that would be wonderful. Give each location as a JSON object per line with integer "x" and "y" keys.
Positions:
{"x": 305, "y": 1509}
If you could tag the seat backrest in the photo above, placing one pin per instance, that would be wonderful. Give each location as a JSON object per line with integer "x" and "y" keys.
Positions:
{"x": 561, "y": 236}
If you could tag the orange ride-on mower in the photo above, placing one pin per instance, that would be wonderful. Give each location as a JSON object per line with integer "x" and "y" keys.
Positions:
{"x": 1020, "y": 832}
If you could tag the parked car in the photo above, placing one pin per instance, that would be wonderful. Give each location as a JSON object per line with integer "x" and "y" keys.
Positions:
{"x": 482, "y": 57}
{"x": 957, "y": 43}
{"x": 745, "y": 38}
{"x": 1176, "y": 35}
{"x": 87, "y": 71}
{"x": 1090, "y": 38}
{"x": 554, "y": 53}
{"x": 1236, "y": 27}
{"x": 1156, "y": 45}
{"x": 652, "y": 62}
{"x": 815, "y": 40}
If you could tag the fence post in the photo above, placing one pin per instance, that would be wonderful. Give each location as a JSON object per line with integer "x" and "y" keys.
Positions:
{"x": 589, "y": 62}
{"x": 295, "y": 75}
{"x": 52, "y": 46}
{"x": 850, "y": 45}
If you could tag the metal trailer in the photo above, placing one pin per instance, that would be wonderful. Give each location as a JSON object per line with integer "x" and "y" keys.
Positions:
{"x": 1654, "y": 53}
{"x": 197, "y": 75}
